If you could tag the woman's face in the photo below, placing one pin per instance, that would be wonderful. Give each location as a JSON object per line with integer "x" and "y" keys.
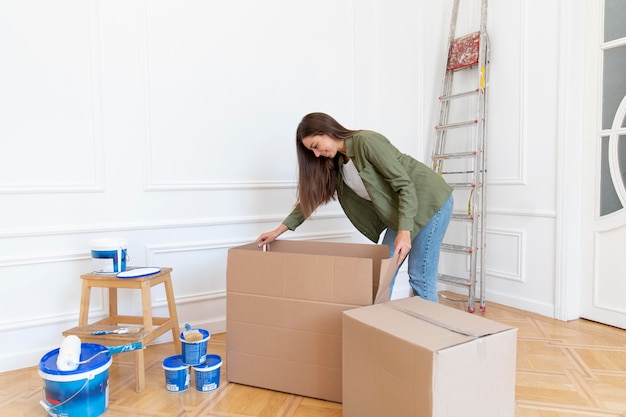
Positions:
{"x": 323, "y": 145}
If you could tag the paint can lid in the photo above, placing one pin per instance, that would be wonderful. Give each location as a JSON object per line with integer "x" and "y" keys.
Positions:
{"x": 212, "y": 362}
{"x": 48, "y": 363}
{"x": 174, "y": 363}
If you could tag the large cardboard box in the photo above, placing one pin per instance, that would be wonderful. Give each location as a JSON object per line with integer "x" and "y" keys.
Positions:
{"x": 412, "y": 357}
{"x": 284, "y": 311}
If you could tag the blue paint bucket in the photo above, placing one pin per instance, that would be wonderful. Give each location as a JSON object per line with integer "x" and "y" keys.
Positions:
{"x": 83, "y": 392}
{"x": 207, "y": 375}
{"x": 177, "y": 377}
{"x": 194, "y": 352}
{"x": 108, "y": 256}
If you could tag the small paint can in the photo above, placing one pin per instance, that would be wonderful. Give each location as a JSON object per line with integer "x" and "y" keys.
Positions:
{"x": 177, "y": 375}
{"x": 208, "y": 374}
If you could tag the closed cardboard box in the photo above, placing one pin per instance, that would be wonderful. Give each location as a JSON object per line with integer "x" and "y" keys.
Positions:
{"x": 412, "y": 357}
{"x": 284, "y": 311}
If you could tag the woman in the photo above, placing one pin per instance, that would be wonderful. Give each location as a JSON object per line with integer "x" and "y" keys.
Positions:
{"x": 379, "y": 189}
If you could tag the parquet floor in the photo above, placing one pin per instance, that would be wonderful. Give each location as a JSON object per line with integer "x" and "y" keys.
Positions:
{"x": 564, "y": 369}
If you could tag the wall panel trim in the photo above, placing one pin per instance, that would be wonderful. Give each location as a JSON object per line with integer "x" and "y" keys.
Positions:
{"x": 177, "y": 223}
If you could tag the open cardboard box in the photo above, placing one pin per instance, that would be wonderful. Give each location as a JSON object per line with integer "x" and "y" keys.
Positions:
{"x": 284, "y": 311}
{"x": 412, "y": 357}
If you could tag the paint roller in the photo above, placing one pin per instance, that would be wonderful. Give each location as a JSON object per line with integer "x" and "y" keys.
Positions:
{"x": 69, "y": 352}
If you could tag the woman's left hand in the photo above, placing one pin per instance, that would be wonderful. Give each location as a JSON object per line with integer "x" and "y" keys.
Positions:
{"x": 402, "y": 245}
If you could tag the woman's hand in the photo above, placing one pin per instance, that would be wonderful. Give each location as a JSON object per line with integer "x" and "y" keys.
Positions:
{"x": 402, "y": 245}
{"x": 269, "y": 237}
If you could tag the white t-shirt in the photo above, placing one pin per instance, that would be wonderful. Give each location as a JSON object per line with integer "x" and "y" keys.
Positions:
{"x": 353, "y": 180}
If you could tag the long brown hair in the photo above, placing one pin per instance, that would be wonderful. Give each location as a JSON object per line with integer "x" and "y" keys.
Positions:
{"x": 317, "y": 177}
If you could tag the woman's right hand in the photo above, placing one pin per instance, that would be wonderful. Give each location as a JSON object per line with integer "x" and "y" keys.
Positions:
{"x": 269, "y": 237}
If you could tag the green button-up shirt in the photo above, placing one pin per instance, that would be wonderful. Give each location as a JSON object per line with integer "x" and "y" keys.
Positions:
{"x": 405, "y": 193}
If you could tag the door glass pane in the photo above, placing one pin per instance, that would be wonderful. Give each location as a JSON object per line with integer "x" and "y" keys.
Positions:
{"x": 613, "y": 84}
{"x": 609, "y": 201}
{"x": 621, "y": 158}
{"x": 614, "y": 18}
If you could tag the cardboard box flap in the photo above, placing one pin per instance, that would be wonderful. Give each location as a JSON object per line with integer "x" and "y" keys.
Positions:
{"x": 451, "y": 319}
{"x": 319, "y": 271}
{"x": 357, "y": 250}
{"x": 388, "y": 268}
{"x": 412, "y": 319}
{"x": 402, "y": 326}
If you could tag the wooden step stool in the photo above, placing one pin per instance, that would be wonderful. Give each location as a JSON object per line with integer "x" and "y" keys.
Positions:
{"x": 153, "y": 327}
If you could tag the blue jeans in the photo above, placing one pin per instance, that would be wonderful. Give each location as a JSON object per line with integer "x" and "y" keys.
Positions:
{"x": 423, "y": 257}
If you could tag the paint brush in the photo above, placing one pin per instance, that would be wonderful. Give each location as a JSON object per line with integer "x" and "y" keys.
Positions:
{"x": 120, "y": 330}
{"x": 113, "y": 350}
{"x": 192, "y": 335}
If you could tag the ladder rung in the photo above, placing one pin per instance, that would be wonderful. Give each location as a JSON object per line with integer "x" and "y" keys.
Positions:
{"x": 459, "y": 95}
{"x": 462, "y": 217}
{"x": 456, "y": 125}
{"x": 455, "y": 155}
{"x": 460, "y": 172}
{"x": 462, "y": 185}
{"x": 465, "y": 250}
{"x": 454, "y": 280}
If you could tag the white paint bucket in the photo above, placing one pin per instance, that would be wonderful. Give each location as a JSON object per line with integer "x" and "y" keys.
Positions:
{"x": 108, "y": 255}
{"x": 83, "y": 392}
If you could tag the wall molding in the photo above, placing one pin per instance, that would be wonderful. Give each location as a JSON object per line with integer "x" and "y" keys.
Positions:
{"x": 96, "y": 134}
{"x": 150, "y": 184}
{"x": 521, "y": 177}
{"x": 43, "y": 320}
{"x": 64, "y": 256}
{"x": 51, "y": 188}
{"x": 173, "y": 224}
{"x": 98, "y": 309}
{"x": 219, "y": 185}
{"x": 522, "y": 213}
{"x": 191, "y": 299}
{"x": 518, "y": 275}
{"x": 569, "y": 153}
{"x": 522, "y": 303}
{"x": 523, "y": 91}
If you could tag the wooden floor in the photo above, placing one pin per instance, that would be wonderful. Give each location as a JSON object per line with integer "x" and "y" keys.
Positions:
{"x": 576, "y": 368}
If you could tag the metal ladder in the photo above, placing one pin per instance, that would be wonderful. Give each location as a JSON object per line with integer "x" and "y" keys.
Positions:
{"x": 460, "y": 150}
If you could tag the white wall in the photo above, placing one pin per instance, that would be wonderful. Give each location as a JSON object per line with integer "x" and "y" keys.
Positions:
{"x": 171, "y": 124}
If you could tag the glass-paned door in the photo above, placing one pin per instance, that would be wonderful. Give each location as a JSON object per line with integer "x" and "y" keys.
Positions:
{"x": 604, "y": 165}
